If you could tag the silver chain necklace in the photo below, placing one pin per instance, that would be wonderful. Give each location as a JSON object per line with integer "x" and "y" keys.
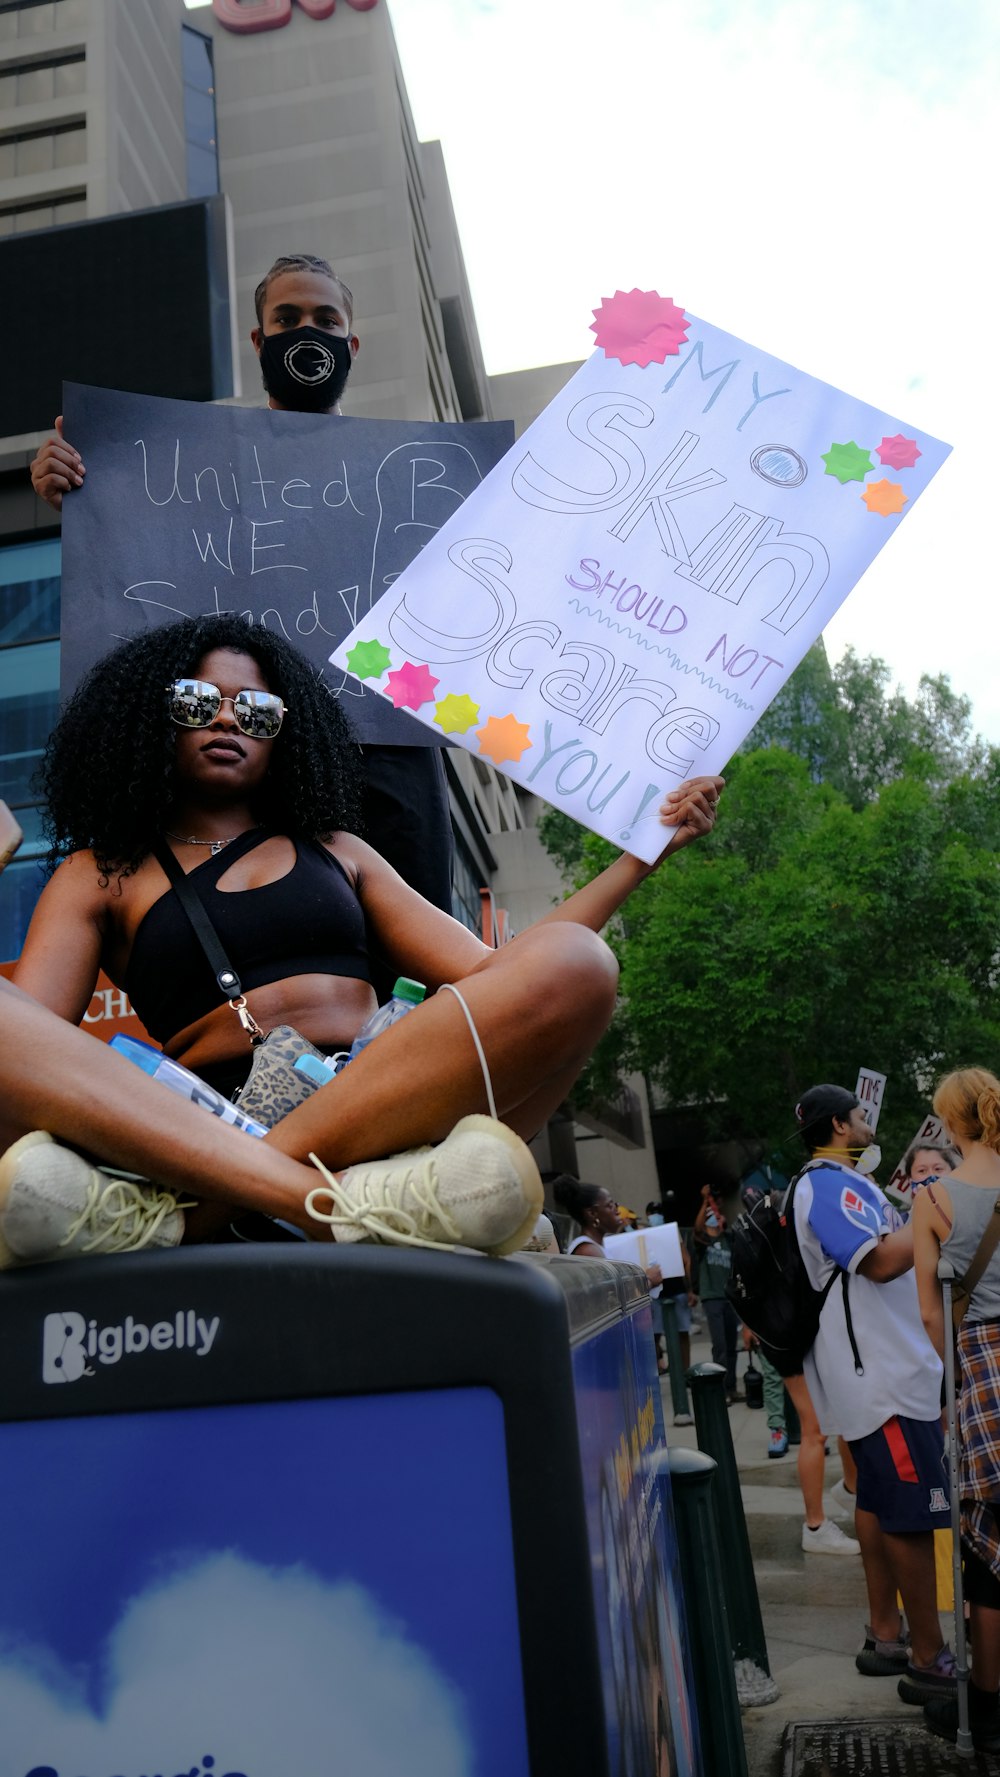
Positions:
{"x": 214, "y": 845}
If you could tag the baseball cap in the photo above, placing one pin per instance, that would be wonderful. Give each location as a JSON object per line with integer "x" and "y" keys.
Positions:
{"x": 824, "y": 1101}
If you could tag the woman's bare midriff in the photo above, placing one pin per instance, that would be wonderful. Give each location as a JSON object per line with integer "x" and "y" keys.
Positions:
{"x": 328, "y": 1009}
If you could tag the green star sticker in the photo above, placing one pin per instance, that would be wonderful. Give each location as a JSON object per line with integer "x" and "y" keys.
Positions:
{"x": 848, "y": 462}
{"x": 368, "y": 660}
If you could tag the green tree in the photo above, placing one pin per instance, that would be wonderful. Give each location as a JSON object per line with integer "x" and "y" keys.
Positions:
{"x": 845, "y": 913}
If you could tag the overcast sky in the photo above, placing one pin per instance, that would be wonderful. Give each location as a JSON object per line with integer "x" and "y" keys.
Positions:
{"x": 817, "y": 179}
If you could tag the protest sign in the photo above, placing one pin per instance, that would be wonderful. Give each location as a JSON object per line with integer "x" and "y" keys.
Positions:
{"x": 615, "y": 607}
{"x": 868, "y": 1092}
{"x": 660, "y": 1245}
{"x": 299, "y": 521}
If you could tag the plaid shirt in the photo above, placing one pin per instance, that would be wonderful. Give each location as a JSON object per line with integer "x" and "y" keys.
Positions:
{"x": 979, "y": 1437}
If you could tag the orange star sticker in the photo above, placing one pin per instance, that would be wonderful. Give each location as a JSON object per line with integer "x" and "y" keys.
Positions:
{"x": 885, "y": 497}
{"x": 503, "y": 737}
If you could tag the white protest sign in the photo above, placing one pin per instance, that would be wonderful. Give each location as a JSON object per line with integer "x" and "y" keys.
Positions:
{"x": 648, "y": 1246}
{"x": 613, "y": 608}
{"x": 931, "y": 1129}
{"x": 868, "y": 1092}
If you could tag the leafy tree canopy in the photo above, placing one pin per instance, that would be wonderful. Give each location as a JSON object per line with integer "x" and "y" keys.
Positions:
{"x": 845, "y": 913}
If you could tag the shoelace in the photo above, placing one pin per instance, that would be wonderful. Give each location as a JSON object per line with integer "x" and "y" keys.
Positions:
{"x": 121, "y": 1217}
{"x": 374, "y": 1202}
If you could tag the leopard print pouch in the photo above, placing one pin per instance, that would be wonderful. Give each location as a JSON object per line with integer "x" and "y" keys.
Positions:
{"x": 273, "y": 1086}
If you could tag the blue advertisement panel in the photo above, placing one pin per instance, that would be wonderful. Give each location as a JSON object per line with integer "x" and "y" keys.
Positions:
{"x": 307, "y": 1586}
{"x": 645, "y": 1660}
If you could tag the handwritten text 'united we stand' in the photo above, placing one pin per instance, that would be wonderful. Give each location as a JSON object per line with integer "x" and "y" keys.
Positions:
{"x": 241, "y": 545}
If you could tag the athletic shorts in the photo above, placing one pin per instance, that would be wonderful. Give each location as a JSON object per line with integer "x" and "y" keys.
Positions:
{"x": 902, "y": 1476}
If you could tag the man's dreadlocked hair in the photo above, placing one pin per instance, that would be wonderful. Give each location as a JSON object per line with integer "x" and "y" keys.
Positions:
{"x": 107, "y": 774}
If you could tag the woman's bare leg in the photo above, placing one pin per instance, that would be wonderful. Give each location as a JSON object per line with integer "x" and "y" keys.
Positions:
{"x": 56, "y": 1077}
{"x": 539, "y": 1004}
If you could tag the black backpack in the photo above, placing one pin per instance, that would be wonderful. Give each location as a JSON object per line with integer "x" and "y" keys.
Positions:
{"x": 769, "y": 1285}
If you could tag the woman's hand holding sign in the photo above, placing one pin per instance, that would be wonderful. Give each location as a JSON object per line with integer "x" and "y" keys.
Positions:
{"x": 691, "y": 810}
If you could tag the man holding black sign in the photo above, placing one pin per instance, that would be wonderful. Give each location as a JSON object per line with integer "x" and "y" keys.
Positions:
{"x": 306, "y": 347}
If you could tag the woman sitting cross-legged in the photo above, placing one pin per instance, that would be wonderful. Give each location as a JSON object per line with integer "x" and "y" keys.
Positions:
{"x": 214, "y": 740}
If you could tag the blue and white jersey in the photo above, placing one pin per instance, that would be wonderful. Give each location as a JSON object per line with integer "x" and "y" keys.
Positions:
{"x": 840, "y": 1217}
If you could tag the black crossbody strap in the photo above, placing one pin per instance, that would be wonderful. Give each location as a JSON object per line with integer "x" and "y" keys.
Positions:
{"x": 227, "y": 980}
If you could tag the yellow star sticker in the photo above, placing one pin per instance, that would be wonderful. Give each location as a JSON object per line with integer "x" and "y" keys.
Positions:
{"x": 504, "y": 737}
{"x": 456, "y": 715}
{"x": 885, "y": 497}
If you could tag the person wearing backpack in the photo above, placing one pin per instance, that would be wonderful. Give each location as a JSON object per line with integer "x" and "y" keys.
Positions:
{"x": 874, "y": 1375}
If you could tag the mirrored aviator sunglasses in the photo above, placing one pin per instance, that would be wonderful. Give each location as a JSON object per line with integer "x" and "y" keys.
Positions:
{"x": 194, "y": 703}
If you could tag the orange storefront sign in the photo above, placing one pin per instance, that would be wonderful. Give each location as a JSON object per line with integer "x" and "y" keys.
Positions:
{"x": 108, "y": 1013}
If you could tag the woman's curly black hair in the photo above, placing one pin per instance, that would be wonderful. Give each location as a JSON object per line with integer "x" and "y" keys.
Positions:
{"x": 107, "y": 774}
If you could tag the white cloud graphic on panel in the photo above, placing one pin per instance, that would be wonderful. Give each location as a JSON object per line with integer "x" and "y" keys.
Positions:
{"x": 256, "y": 1669}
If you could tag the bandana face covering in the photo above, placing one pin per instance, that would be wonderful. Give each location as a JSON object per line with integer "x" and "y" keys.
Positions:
{"x": 305, "y": 369}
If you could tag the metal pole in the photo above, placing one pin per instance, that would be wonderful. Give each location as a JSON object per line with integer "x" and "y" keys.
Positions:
{"x": 716, "y": 1440}
{"x": 692, "y": 1477}
{"x": 963, "y": 1738}
{"x": 675, "y": 1362}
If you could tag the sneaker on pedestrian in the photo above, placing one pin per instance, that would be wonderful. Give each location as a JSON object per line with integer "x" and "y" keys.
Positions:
{"x": 883, "y": 1659}
{"x": 55, "y": 1205}
{"x": 828, "y": 1539}
{"x": 921, "y": 1684}
{"x": 941, "y": 1716}
{"x": 479, "y": 1188}
{"x": 777, "y": 1444}
{"x": 842, "y": 1498}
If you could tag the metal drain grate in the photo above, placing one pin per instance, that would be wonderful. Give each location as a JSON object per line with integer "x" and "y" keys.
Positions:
{"x": 886, "y": 1748}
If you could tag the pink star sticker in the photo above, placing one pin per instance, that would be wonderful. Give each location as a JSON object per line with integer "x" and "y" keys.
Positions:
{"x": 898, "y": 452}
{"x": 639, "y": 327}
{"x": 410, "y": 686}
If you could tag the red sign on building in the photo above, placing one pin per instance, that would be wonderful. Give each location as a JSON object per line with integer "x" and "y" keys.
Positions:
{"x": 267, "y": 15}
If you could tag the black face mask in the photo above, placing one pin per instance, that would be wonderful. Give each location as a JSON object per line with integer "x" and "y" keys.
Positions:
{"x": 305, "y": 369}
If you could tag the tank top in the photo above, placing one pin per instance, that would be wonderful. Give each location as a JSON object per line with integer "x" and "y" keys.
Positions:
{"x": 972, "y": 1206}
{"x": 309, "y": 922}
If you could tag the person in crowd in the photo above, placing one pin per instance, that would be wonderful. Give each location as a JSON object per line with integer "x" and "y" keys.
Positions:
{"x": 596, "y": 1214}
{"x": 306, "y": 345}
{"x": 928, "y": 1160}
{"x": 875, "y": 1377}
{"x": 820, "y": 1535}
{"x": 950, "y": 1216}
{"x": 715, "y": 1245}
{"x": 679, "y": 1289}
{"x": 213, "y": 742}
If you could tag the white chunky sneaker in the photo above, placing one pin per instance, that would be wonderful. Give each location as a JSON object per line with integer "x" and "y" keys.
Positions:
{"x": 55, "y": 1205}
{"x": 828, "y": 1539}
{"x": 480, "y": 1187}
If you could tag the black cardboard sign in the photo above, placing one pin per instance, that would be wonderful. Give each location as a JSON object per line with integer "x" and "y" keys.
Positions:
{"x": 299, "y": 521}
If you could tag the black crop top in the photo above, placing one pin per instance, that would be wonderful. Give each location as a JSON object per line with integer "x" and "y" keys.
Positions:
{"x": 309, "y": 922}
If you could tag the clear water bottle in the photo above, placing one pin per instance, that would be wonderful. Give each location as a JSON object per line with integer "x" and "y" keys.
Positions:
{"x": 405, "y": 995}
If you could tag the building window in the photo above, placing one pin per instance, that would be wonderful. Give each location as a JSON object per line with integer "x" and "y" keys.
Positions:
{"x": 466, "y": 882}
{"x": 29, "y": 702}
{"x": 199, "y": 113}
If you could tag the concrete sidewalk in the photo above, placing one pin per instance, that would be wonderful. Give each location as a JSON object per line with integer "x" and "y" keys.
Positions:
{"x": 814, "y": 1606}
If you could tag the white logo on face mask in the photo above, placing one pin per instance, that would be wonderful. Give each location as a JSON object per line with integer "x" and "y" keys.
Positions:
{"x": 72, "y": 1346}
{"x": 318, "y": 362}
